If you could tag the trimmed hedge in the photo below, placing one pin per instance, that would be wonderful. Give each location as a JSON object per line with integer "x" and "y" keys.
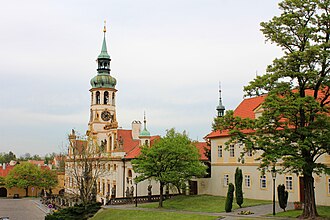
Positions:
{"x": 230, "y": 197}
{"x": 77, "y": 212}
{"x": 282, "y": 196}
{"x": 238, "y": 186}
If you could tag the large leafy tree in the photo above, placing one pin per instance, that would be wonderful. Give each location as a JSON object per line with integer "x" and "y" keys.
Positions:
{"x": 23, "y": 175}
{"x": 48, "y": 179}
{"x": 6, "y": 158}
{"x": 294, "y": 129}
{"x": 172, "y": 159}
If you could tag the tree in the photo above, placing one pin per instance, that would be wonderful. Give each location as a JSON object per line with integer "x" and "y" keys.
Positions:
{"x": 23, "y": 175}
{"x": 2, "y": 180}
{"x": 282, "y": 196}
{"x": 172, "y": 159}
{"x": 48, "y": 179}
{"x": 230, "y": 197}
{"x": 238, "y": 186}
{"x": 83, "y": 168}
{"x": 295, "y": 125}
{"x": 6, "y": 158}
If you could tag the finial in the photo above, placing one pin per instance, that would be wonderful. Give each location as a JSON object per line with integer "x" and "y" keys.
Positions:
{"x": 144, "y": 120}
{"x": 220, "y": 91}
{"x": 104, "y": 28}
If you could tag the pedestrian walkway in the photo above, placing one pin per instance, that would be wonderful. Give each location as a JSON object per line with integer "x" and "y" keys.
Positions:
{"x": 260, "y": 211}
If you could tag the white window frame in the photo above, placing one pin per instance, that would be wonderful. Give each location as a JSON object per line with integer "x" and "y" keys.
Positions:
{"x": 249, "y": 153}
{"x": 231, "y": 151}
{"x": 220, "y": 151}
{"x": 226, "y": 180}
{"x": 289, "y": 183}
{"x": 329, "y": 185}
{"x": 247, "y": 181}
{"x": 263, "y": 182}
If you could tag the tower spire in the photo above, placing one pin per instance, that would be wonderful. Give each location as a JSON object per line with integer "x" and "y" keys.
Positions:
{"x": 104, "y": 53}
{"x": 145, "y": 121}
{"x": 220, "y": 107}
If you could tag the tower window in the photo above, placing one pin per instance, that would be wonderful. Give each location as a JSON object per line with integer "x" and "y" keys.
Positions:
{"x": 106, "y": 97}
{"x": 113, "y": 98}
{"x": 98, "y": 97}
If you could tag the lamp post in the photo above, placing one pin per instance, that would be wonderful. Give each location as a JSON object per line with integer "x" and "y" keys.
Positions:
{"x": 273, "y": 171}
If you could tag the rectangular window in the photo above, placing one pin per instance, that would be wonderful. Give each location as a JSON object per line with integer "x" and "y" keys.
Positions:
{"x": 263, "y": 182}
{"x": 329, "y": 185}
{"x": 288, "y": 182}
{"x": 249, "y": 153}
{"x": 219, "y": 151}
{"x": 247, "y": 180}
{"x": 231, "y": 151}
{"x": 226, "y": 180}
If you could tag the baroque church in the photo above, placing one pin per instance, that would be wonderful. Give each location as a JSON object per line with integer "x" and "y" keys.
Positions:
{"x": 112, "y": 147}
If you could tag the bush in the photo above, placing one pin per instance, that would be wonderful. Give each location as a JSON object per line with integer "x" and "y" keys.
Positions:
{"x": 282, "y": 196}
{"x": 77, "y": 212}
{"x": 238, "y": 186}
{"x": 230, "y": 197}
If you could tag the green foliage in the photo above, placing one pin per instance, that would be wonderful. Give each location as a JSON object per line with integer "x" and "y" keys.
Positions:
{"x": 295, "y": 123}
{"x": 171, "y": 160}
{"x": 26, "y": 175}
{"x": 77, "y": 212}
{"x": 6, "y": 158}
{"x": 48, "y": 179}
{"x": 238, "y": 186}
{"x": 2, "y": 180}
{"x": 282, "y": 196}
{"x": 230, "y": 197}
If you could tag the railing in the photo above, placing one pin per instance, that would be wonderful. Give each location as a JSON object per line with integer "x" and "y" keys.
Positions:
{"x": 140, "y": 199}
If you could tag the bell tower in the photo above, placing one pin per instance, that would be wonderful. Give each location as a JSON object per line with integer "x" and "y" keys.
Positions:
{"x": 102, "y": 126}
{"x": 220, "y": 107}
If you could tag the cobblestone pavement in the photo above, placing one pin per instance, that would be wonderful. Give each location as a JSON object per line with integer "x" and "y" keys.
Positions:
{"x": 260, "y": 211}
{"x": 21, "y": 209}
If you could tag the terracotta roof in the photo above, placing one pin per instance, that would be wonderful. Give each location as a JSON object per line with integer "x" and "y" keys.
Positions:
{"x": 37, "y": 162}
{"x": 201, "y": 148}
{"x": 246, "y": 110}
{"x": 4, "y": 172}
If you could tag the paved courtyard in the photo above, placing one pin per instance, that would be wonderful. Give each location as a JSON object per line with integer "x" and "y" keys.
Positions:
{"x": 21, "y": 209}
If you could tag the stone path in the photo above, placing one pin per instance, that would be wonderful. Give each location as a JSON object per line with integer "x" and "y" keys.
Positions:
{"x": 259, "y": 211}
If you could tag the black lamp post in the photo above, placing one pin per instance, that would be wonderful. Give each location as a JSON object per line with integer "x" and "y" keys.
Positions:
{"x": 273, "y": 171}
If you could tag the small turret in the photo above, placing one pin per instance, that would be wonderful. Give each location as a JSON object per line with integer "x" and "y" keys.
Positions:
{"x": 220, "y": 107}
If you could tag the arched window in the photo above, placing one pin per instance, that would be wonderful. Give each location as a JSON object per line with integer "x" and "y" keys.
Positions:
{"x": 113, "y": 98}
{"x": 106, "y": 97}
{"x": 146, "y": 142}
{"x": 129, "y": 173}
{"x": 98, "y": 97}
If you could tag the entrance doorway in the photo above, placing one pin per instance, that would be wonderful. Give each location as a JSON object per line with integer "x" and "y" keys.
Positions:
{"x": 193, "y": 187}
{"x": 3, "y": 192}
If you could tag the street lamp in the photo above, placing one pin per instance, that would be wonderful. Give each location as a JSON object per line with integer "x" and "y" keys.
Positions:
{"x": 273, "y": 171}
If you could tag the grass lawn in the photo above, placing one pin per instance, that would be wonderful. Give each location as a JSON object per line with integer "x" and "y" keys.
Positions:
{"x": 324, "y": 211}
{"x": 114, "y": 214}
{"x": 202, "y": 203}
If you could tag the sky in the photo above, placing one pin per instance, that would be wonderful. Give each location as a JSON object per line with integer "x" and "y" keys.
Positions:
{"x": 167, "y": 56}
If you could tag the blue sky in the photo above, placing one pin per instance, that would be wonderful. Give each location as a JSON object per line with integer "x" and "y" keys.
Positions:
{"x": 167, "y": 57}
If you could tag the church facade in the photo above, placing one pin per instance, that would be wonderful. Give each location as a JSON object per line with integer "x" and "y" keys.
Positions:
{"x": 110, "y": 147}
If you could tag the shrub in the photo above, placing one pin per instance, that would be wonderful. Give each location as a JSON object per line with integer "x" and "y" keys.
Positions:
{"x": 238, "y": 186}
{"x": 282, "y": 196}
{"x": 77, "y": 212}
{"x": 230, "y": 197}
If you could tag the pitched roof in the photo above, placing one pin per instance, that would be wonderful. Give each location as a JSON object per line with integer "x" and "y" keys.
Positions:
{"x": 4, "y": 172}
{"x": 201, "y": 146}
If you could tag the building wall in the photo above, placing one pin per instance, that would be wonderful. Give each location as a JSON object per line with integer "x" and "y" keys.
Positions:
{"x": 226, "y": 165}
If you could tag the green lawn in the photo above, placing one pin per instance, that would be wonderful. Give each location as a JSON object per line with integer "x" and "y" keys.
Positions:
{"x": 202, "y": 203}
{"x": 114, "y": 214}
{"x": 324, "y": 211}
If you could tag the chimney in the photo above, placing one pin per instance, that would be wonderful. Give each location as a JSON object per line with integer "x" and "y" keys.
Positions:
{"x": 4, "y": 166}
{"x": 136, "y": 129}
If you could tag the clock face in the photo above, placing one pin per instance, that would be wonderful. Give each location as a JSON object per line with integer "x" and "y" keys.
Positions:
{"x": 106, "y": 115}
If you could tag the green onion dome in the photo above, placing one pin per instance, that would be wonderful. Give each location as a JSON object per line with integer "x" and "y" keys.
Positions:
{"x": 144, "y": 133}
{"x": 103, "y": 80}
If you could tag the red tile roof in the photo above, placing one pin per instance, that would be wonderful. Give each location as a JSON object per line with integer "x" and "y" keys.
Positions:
{"x": 246, "y": 110}
{"x": 201, "y": 146}
{"x": 4, "y": 172}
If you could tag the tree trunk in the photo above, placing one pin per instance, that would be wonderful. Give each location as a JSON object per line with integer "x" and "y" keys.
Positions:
{"x": 310, "y": 211}
{"x": 161, "y": 186}
{"x": 26, "y": 191}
